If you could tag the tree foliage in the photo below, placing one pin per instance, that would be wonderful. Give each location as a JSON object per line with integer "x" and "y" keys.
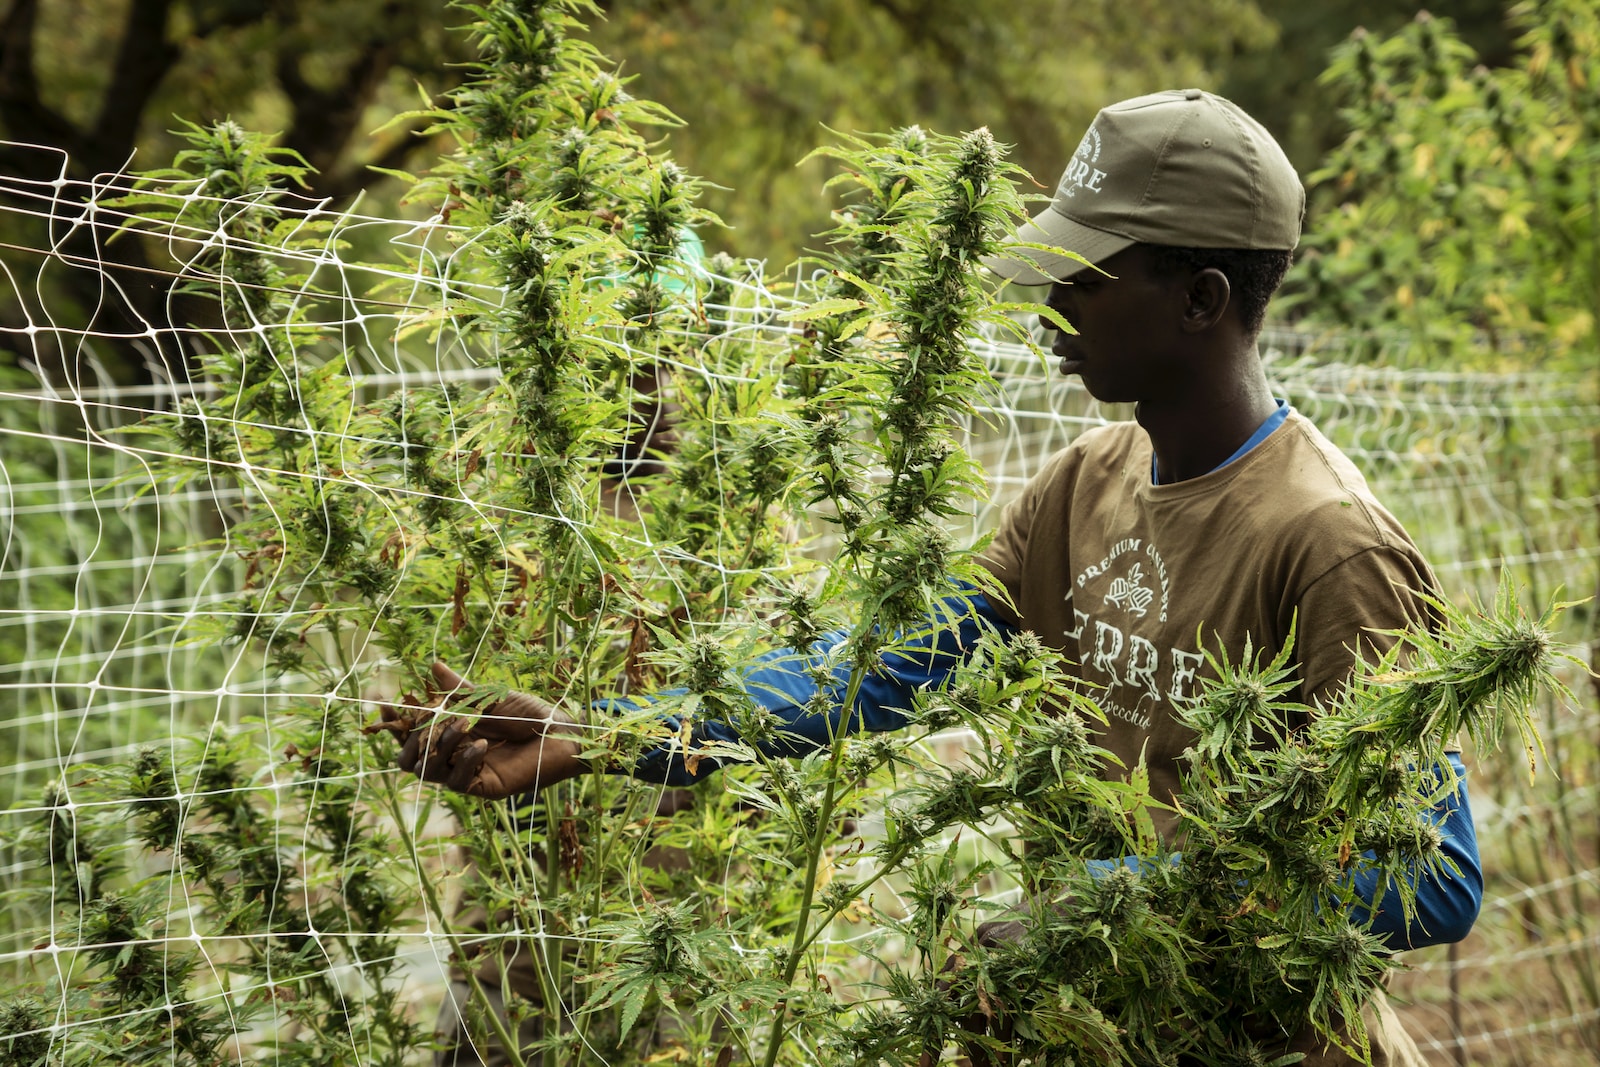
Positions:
{"x": 1462, "y": 207}
{"x": 757, "y": 83}
{"x": 103, "y": 82}
{"x": 101, "y": 79}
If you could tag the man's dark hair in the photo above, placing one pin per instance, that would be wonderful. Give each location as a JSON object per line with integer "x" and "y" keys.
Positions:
{"x": 1253, "y": 274}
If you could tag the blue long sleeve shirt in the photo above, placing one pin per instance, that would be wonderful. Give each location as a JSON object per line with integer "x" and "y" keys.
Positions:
{"x": 786, "y": 683}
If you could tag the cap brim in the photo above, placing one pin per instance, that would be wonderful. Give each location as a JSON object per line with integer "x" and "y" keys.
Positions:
{"x": 1033, "y": 266}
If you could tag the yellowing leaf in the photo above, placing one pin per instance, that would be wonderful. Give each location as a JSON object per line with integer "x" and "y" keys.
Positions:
{"x": 1513, "y": 225}
{"x": 1576, "y": 329}
{"x": 822, "y": 309}
{"x": 1422, "y": 160}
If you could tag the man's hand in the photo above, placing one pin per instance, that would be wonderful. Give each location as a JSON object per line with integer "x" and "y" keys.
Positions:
{"x": 516, "y": 744}
{"x": 992, "y": 1019}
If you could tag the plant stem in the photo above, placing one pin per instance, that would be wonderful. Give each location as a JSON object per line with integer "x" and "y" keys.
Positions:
{"x": 883, "y": 869}
{"x": 549, "y": 990}
{"x": 552, "y": 874}
{"x": 496, "y": 1023}
{"x": 797, "y": 946}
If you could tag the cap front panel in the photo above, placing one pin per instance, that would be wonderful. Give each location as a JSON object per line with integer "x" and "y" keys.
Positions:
{"x": 1107, "y": 176}
{"x": 1084, "y": 174}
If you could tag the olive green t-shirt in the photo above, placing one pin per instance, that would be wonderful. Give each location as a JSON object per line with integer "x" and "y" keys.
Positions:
{"x": 1137, "y": 581}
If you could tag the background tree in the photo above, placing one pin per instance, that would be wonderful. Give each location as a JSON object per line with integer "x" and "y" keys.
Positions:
{"x": 102, "y": 80}
{"x": 1461, "y": 207}
{"x": 756, "y": 83}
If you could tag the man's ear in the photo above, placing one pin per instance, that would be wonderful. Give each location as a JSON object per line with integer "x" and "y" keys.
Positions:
{"x": 1206, "y": 300}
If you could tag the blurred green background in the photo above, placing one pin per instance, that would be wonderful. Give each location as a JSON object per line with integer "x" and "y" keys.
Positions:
{"x": 754, "y": 81}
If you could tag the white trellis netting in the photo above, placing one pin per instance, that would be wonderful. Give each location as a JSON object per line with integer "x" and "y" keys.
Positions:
{"x": 103, "y": 570}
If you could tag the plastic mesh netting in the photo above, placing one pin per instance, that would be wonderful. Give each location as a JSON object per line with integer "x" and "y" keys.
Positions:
{"x": 119, "y": 583}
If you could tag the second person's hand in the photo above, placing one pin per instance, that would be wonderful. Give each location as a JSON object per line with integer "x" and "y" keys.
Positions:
{"x": 516, "y": 744}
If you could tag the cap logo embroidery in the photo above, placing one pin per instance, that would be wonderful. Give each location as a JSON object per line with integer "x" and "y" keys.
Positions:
{"x": 1081, "y": 170}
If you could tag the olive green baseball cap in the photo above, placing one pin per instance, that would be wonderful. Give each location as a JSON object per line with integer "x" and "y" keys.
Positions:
{"x": 1182, "y": 167}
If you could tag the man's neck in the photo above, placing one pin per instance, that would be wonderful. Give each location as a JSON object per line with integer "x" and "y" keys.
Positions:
{"x": 1195, "y": 433}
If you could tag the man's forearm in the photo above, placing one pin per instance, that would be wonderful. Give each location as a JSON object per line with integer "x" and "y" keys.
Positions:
{"x": 786, "y": 684}
{"x": 1446, "y": 903}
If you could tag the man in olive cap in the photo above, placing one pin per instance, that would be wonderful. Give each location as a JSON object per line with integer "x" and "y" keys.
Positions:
{"x": 1220, "y": 506}
{"x": 1220, "y": 515}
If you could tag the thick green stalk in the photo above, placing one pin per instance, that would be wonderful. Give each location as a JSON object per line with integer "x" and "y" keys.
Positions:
{"x": 813, "y": 862}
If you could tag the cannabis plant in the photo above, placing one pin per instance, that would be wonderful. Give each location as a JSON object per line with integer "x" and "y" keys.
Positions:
{"x": 626, "y": 506}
